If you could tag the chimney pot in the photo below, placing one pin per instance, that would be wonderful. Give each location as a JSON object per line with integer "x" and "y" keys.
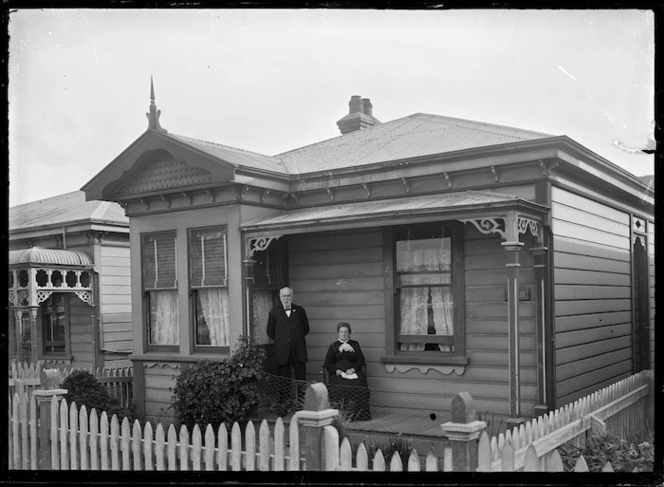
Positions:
{"x": 355, "y": 104}
{"x": 368, "y": 107}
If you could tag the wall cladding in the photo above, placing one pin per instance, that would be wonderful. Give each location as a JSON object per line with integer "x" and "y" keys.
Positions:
{"x": 592, "y": 295}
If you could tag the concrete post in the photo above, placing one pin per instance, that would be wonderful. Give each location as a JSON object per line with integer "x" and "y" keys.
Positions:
{"x": 463, "y": 431}
{"x": 50, "y": 387}
{"x": 312, "y": 419}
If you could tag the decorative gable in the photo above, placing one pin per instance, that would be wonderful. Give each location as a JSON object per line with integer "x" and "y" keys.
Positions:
{"x": 164, "y": 175}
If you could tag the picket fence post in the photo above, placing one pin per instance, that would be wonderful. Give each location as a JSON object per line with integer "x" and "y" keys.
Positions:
{"x": 50, "y": 387}
{"x": 311, "y": 420}
{"x": 463, "y": 432}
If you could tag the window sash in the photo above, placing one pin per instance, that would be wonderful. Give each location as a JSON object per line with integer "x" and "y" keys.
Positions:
{"x": 159, "y": 261}
{"x": 208, "y": 257}
{"x": 431, "y": 269}
{"x": 54, "y": 325}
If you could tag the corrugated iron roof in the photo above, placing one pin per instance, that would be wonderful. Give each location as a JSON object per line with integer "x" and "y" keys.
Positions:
{"x": 348, "y": 211}
{"x": 62, "y": 209}
{"x": 413, "y": 136}
{"x": 235, "y": 156}
{"x": 38, "y": 255}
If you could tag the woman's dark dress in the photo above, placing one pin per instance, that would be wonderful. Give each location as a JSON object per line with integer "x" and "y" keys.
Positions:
{"x": 352, "y": 395}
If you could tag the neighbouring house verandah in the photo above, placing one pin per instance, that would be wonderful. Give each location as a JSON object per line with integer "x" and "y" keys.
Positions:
{"x": 40, "y": 281}
{"x": 511, "y": 252}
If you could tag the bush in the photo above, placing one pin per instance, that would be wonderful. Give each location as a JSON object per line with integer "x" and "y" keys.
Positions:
{"x": 624, "y": 455}
{"x": 84, "y": 389}
{"x": 219, "y": 392}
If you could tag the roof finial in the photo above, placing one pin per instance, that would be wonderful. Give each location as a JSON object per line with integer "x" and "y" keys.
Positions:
{"x": 153, "y": 116}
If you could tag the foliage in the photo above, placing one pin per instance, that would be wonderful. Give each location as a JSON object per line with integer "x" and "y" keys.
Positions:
{"x": 212, "y": 392}
{"x": 493, "y": 427}
{"x": 624, "y": 455}
{"x": 393, "y": 443}
{"x": 84, "y": 389}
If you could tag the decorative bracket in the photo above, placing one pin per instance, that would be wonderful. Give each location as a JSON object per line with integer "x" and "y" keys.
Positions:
{"x": 259, "y": 244}
{"x": 145, "y": 203}
{"x": 547, "y": 167}
{"x": 448, "y": 179}
{"x": 489, "y": 225}
{"x": 187, "y": 196}
{"x": 527, "y": 224}
{"x": 495, "y": 173}
{"x": 503, "y": 227}
{"x": 330, "y": 191}
{"x": 367, "y": 190}
{"x": 212, "y": 195}
{"x": 264, "y": 194}
{"x": 406, "y": 184}
{"x": 166, "y": 200}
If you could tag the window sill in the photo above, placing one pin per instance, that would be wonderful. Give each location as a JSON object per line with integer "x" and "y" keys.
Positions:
{"x": 445, "y": 365}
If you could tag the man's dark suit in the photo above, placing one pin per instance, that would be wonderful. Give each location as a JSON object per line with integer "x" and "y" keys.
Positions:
{"x": 289, "y": 344}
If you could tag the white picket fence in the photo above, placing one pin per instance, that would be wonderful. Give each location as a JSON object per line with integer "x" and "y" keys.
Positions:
{"x": 618, "y": 409}
{"x": 87, "y": 441}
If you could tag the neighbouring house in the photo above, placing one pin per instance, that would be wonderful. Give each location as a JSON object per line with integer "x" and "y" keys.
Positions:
{"x": 515, "y": 265}
{"x": 69, "y": 283}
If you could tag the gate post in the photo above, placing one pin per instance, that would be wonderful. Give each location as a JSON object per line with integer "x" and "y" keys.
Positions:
{"x": 463, "y": 432}
{"x": 50, "y": 387}
{"x": 312, "y": 419}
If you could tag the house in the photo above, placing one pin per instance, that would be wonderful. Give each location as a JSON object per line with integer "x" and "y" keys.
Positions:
{"x": 69, "y": 295}
{"x": 516, "y": 265}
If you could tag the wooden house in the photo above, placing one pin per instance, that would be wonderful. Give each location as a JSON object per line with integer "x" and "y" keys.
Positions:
{"x": 515, "y": 265}
{"x": 69, "y": 294}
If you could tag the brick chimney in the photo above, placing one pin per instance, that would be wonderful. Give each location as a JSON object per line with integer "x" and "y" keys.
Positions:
{"x": 360, "y": 115}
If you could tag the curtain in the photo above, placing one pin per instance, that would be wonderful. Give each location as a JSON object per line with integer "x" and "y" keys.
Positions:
{"x": 443, "y": 316}
{"x": 425, "y": 255}
{"x": 261, "y": 305}
{"x": 214, "y": 307}
{"x": 413, "y": 315}
{"x": 164, "y": 319}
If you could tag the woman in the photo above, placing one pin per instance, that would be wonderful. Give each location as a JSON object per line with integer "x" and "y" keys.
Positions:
{"x": 347, "y": 385}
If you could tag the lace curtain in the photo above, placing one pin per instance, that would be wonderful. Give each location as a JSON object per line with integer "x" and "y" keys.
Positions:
{"x": 164, "y": 318}
{"x": 213, "y": 304}
{"x": 262, "y": 303}
{"x": 425, "y": 255}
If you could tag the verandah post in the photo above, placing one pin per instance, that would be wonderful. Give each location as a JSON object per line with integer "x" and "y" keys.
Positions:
{"x": 463, "y": 431}
{"x": 50, "y": 387}
{"x": 312, "y": 419}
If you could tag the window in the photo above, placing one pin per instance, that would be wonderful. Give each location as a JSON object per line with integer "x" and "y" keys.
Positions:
{"x": 54, "y": 324}
{"x": 159, "y": 261}
{"x": 208, "y": 282}
{"x": 428, "y": 289}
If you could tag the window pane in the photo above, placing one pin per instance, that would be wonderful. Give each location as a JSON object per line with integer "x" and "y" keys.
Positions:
{"x": 163, "y": 328}
{"x": 426, "y": 311}
{"x": 212, "y": 317}
{"x": 432, "y": 254}
{"x": 208, "y": 257}
{"x": 159, "y": 264}
{"x": 54, "y": 323}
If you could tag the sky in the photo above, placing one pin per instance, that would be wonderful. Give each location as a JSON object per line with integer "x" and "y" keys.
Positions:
{"x": 270, "y": 81}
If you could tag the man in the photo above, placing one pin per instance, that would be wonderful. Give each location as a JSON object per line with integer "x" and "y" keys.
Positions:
{"x": 287, "y": 325}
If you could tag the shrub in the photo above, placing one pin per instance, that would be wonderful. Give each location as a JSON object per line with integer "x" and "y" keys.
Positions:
{"x": 84, "y": 389}
{"x": 212, "y": 392}
{"x": 624, "y": 455}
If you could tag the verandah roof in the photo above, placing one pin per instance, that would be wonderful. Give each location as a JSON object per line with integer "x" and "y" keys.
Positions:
{"x": 477, "y": 203}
